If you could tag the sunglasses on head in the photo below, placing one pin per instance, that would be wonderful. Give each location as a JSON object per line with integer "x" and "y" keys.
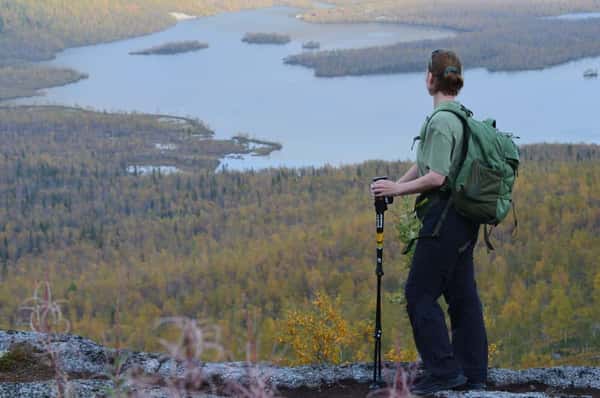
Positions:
{"x": 448, "y": 70}
{"x": 434, "y": 52}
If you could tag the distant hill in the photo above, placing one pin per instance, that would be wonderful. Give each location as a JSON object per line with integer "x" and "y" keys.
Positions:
{"x": 560, "y": 152}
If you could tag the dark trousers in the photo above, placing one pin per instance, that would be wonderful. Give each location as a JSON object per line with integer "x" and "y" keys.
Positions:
{"x": 444, "y": 266}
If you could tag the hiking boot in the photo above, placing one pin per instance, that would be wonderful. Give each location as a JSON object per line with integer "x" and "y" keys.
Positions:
{"x": 430, "y": 384}
{"x": 420, "y": 375}
{"x": 474, "y": 386}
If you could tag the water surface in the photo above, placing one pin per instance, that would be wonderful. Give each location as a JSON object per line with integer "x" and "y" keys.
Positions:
{"x": 576, "y": 16}
{"x": 241, "y": 88}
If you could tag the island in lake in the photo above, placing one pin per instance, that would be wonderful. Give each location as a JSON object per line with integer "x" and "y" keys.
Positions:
{"x": 266, "y": 38}
{"x": 172, "y": 48}
{"x": 311, "y": 45}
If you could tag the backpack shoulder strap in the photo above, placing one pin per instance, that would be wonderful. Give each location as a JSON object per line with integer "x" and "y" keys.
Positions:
{"x": 463, "y": 113}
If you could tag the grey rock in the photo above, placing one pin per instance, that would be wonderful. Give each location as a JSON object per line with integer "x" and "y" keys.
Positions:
{"x": 78, "y": 388}
{"x": 91, "y": 365}
{"x": 489, "y": 394}
{"x": 48, "y": 389}
{"x": 77, "y": 354}
{"x": 295, "y": 377}
{"x": 560, "y": 377}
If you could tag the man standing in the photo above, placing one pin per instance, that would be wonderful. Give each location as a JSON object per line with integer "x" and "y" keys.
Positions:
{"x": 442, "y": 263}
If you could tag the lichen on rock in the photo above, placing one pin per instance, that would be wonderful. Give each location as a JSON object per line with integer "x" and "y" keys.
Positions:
{"x": 25, "y": 371}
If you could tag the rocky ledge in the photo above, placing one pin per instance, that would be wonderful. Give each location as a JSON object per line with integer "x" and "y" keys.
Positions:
{"x": 39, "y": 365}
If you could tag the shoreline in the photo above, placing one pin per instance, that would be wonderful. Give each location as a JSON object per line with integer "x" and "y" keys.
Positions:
{"x": 39, "y": 91}
{"x": 187, "y": 127}
{"x": 180, "y": 16}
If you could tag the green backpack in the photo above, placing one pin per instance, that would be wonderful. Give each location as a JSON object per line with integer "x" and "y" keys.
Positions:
{"x": 482, "y": 183}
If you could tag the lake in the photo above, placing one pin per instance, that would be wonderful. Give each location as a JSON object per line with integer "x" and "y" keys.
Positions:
{"x": 235, "y": 87}
{"x": 576, "y": 16}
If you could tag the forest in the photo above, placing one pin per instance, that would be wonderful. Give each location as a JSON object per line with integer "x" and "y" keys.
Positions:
{"x": 257, "y": 253}
{"x": 459, "y": 15}
{"x": 496, "y": 35}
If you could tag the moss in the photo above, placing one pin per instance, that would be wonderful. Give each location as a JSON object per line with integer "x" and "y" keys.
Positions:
{"x": 24, "y": 362}
{"x": 18, "y": 355}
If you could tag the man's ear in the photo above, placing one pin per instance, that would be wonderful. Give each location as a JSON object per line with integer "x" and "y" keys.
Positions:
{"x": 429, "y": 79}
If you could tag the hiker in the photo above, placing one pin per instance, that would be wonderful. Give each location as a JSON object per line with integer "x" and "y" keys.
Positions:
{"x": 442, "y": 263}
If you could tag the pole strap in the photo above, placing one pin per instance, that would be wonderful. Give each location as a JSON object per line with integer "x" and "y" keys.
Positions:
{"x": 436, "y": 229}
{"x": 486, "y": 237}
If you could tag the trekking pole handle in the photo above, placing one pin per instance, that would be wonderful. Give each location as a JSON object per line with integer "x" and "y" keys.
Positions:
{"x": 382, "y": 202}
{"x": 380, "y": 208}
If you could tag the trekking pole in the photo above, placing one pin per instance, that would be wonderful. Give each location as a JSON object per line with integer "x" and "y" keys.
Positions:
{"x": 381, "y": 204}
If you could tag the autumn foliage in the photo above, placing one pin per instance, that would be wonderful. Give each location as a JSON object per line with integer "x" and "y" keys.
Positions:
{"x": 131, "y": 249}
{"x": 319, "y": 334}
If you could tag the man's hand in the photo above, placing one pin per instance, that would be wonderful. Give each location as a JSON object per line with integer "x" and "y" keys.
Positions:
{"x": 385, "y": 188}
{"x": 429, "y": 181}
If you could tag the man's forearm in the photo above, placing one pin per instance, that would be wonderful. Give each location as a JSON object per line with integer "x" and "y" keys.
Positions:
{"x": 410, "y": 175}
{"x": 422, "y": 184}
